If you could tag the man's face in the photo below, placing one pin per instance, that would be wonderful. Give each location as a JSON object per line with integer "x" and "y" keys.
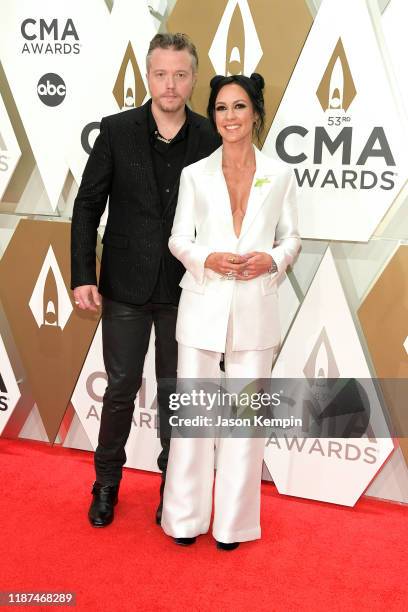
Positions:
{"x": 170, "y": 78}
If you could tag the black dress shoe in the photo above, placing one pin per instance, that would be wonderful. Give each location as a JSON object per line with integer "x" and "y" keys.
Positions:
{"x": 159, "y": 510}
{"x": 225, "y": 546}
{"x": 184, "y": 541}
{"x": 105, "y": 497}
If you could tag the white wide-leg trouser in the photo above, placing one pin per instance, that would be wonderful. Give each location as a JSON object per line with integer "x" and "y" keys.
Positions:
{"x": 187, "y": 500}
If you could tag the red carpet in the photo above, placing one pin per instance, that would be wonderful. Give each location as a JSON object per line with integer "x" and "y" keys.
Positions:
{"x": 312, "y": 556}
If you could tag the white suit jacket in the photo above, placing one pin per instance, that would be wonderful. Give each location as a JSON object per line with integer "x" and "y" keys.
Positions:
{"x": 203, "y": 224}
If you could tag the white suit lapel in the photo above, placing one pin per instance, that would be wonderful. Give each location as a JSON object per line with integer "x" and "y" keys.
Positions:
{"x": 261, "y": 186}
{"x": 218, "y": 186}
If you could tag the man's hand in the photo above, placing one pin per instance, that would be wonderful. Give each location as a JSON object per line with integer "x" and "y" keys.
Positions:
{"x": 256, "y": 264}
{"x": 227, "y": 264}
{"x": 87, "y": 297}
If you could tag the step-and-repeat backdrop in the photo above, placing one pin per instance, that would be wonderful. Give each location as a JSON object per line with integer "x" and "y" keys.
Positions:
{"x": 337, "y": 99}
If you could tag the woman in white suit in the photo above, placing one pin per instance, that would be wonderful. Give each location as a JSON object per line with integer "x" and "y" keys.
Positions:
{"x": 235, "y": 231}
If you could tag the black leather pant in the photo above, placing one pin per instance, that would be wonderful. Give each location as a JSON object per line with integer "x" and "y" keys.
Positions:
{"x": 126, "y": 332}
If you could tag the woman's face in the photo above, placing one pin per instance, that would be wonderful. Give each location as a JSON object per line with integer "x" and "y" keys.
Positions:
{"x": 234, "y": 114}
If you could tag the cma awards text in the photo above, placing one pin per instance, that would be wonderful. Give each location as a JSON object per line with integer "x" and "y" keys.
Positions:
{"x": 376, "y": 147}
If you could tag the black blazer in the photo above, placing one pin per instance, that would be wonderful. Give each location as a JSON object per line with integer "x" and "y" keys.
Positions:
{"x": 137, "y": 230}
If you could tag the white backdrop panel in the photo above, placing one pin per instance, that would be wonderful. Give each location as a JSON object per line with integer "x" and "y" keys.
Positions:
{"x": 324, "y": 343}
{"x": 339, "y": 125}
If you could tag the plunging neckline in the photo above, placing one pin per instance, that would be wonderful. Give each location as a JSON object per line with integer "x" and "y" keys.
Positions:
{"x": 247, "y": 201}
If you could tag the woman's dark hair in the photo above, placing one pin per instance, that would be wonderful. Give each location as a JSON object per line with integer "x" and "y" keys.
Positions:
{"x": 253, "y": 85}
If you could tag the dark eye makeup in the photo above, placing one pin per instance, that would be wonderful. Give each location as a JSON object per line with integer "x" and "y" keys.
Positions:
{"x": 222, "y": 107}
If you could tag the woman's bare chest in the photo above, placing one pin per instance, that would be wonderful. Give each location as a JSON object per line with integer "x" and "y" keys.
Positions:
{"x": 239, "y": 187}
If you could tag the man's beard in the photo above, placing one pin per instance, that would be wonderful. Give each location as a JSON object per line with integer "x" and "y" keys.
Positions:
{"x": 167, "y": 107}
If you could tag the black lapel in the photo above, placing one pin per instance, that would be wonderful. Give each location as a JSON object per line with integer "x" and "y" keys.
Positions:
{"x": 143, "y": 147}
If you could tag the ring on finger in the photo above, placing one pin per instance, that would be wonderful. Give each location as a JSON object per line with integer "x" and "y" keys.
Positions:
{"x": 231, "y": 259}
{"x": 245, "y": 273}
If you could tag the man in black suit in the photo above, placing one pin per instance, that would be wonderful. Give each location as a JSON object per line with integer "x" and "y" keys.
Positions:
{"x": 136, "y": 162}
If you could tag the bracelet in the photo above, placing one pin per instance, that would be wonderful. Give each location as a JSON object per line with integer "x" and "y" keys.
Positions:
{"x": 273, "y": 268}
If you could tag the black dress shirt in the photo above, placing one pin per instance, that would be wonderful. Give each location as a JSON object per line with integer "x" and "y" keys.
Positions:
{"x": 168, "y": 161}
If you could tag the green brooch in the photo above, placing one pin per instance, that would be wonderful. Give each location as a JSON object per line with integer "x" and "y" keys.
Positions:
{"x": 261, "y": 182}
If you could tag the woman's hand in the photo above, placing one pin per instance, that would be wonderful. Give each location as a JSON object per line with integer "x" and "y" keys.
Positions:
{"x": 241, "y": 267}
{"x": 226, "y": 264}
{"x": 256, "y": 264}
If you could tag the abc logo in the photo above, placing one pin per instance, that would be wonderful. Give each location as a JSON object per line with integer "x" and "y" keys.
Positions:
{"x": 51, "y": 89}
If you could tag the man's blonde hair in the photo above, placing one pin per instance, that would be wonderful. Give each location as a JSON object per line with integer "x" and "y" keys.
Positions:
{"x": 178, "y": 42}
